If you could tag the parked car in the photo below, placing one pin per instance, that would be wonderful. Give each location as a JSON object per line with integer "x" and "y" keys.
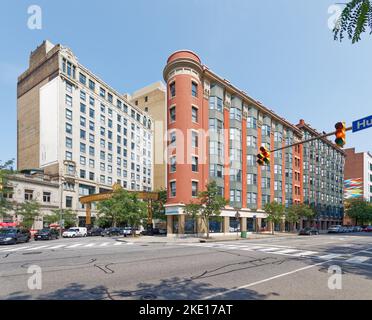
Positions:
{"x": 46, "y": 234}
{"x": 368, "y": 229}
{"x": 14, "y": 235}
{"x": 75, "y": 232}
{"x": 308, "y": 231}
{"x": 357, "y": 229}
{"x": 335, "y": 229}
{"x": 94, "y": 232}
{"x": 114, "y": 231}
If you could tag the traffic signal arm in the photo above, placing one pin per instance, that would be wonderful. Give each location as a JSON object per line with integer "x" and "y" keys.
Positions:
{"x": 311, "y": 139}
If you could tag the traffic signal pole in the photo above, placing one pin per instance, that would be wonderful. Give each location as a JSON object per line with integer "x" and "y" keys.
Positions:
{"x": 309, "y": 140}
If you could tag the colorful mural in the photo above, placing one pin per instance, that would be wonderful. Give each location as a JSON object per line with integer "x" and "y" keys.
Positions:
{"x": 353, "y": 188}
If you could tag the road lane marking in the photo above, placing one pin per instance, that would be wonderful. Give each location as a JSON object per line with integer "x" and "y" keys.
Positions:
{"x": 304, "y": 254}
{"x": 36, "y": 248}
{"x": 59, "y": 246}
{"x": 330, "y": 256}
{"x": 74, "y": 245}
{"x": 15, "y": 249}
{"x": 269, "y": 249}
{"x": 104, "y": 244}
{"x": 118, "y": 244}
{"x": 286, "y": 251}
{"x": 357, "y": 259}
{"x": 262, "y": 281}
{"x": 89, "y": 245}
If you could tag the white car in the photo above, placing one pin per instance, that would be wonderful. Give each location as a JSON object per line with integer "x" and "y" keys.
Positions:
{"x": 75, "y": 232}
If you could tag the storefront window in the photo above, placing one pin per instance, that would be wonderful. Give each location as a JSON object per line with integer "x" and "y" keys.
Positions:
{"x": 215, "y": 224}
{"x": 175, "y": 224}
{"x": 250, "y": 224}
{"x": 234, "y": 225}
{"x": 189, "y": 225}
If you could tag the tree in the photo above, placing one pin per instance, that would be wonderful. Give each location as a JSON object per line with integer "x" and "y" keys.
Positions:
{"x": 29, "y": 210}
{"x": 292, "y": 216}
{"x": 68, "y": 216}
{"x": 157, "y": 207}
{"x": 359, "y": 210}
{"x": 209, "y": 203}
{"x": 6, "y": 169}
{"x": 192, "y": 210}
{"x": 123, "y": 206}
{"x": 275, "y": 212}
{"x": 299, "y": 211}
{"x": 354, "y": 19}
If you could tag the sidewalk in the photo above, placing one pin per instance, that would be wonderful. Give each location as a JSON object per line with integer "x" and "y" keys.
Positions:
{"x": 190, "y": 239}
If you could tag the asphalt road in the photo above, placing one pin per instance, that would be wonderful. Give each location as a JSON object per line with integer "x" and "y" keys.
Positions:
{"x": 273, "y": 268}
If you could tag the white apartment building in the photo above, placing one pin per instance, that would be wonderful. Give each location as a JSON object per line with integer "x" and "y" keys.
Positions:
{"x": 74, "y": 125}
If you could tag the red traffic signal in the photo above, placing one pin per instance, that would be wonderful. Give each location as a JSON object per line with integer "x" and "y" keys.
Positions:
{"x": 340, "y": 134}
{"x": 263, "y": 157}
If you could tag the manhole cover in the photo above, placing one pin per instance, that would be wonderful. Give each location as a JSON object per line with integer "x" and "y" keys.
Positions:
{"x": 125, "y": 294}
{"x": 148, "y": 297}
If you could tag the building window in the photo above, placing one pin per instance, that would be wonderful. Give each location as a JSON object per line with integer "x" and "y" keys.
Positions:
{"x": 68, "y": 155}
{"x": 82, "y": 79}
{"x": 194, "y": 189}
{"x": 68, "y": 87}
{"x": 68, "y": 143}
{"x": 29, "y": 195}
{"x": 68, "y": 128}
{"x": 82, "y": 108}
{"x": 194, "y": 114}
{"x": 46, "y": 196}
{"x": 172, "y": 114}
{"x": 173, "y": 188}
{"x": 194, "y": 139}
{"x": 82, "y": 160}
{"x": 91, "y": 113}
{"x": 109, "y": 97}
{"x": 173, "y": 164}
{"x": 172, "y": 89}
{"x": 68, "y": 202}
{"x": 102, "y": 92}
{"x": 251, "y": 123}
{"x": 68, "y": 101}
{"x": 82, "y": 147}
{"x": 194, "y": 89}
{"x": 194, "y": 164}
{"x": 173, "y": 138}
{"x": 82, "y": 134}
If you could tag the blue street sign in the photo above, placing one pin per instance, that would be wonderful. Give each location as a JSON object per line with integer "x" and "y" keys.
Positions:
{"x": 362, "y": 124}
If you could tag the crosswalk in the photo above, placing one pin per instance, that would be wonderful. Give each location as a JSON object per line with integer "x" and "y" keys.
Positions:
{"x": 286, "y": 251}
{"x": 62, "y": 246}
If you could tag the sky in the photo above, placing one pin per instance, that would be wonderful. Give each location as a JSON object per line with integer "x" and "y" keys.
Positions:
{"x": 281, "y": 52}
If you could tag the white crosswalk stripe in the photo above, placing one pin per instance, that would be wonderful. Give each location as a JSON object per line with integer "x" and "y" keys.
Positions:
{"x": 74, "y": 246}
{"x": 59, "y": 246}
{"x": 15, "y": 249}
{"x": 357, "y": 259}
{"x": 35, "y": 248}
{"x": 283, "y": 250}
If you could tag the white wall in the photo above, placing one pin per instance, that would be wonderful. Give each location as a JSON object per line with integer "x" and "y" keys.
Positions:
{"x": 367, "y": 181}
{"x": 49, "y": 123}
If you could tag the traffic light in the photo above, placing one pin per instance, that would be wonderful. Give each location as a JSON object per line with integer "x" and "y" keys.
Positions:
{"x": 263, "y": 157}
{"x": 340, "y": 134}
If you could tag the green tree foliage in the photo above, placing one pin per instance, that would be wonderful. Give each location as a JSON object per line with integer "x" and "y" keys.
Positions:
{"x": 158, "y": 210}
{"x": 275, "y": 213}
{"x": 360, "y": 210}
{"x": 209, "y": 204}
{"x": 29, "y": 210}
{"x": 122, "y": 207}
{"x": 69, "y": 216}
{"x": 299, "y": 211}
{"x": 6, "y": 169}
{"x": 354, "y": 20}
{"x": 192, "y": 210}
